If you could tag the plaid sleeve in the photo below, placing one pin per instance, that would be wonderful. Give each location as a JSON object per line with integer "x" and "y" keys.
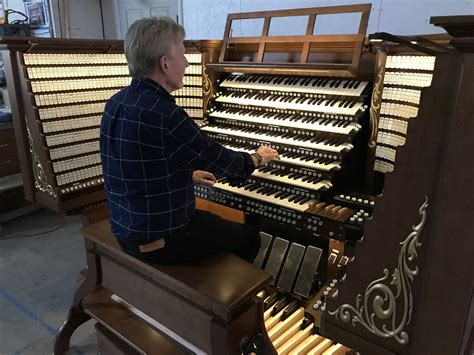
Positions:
{"x": 194, "y": 150}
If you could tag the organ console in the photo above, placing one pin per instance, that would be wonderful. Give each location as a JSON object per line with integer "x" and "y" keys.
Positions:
{"x": 354, "y": 216}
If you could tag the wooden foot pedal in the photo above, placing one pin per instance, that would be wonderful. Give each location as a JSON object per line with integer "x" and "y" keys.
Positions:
{"x": 275, "y": 260}
{"x": 308, "y": 269}
{"x": 290, "y": 268}
{"x": 266, "y": 241}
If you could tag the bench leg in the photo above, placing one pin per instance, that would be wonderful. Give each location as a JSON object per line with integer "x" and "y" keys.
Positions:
{"x": 75, "y": 318}
{"x": 76, "y": 315}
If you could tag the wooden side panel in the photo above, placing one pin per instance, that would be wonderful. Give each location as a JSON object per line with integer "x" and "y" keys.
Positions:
{"x": 419, "y": 164}
{"x": 443, "y": 303}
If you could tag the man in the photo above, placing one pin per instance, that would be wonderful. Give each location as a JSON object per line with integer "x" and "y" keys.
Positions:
{"x": 153, "y": 153}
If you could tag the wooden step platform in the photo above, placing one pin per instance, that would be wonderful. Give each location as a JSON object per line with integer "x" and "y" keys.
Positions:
{"x": 134, "y": 334}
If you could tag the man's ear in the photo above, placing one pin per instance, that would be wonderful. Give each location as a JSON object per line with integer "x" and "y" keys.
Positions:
{"x": 164, "y": 64}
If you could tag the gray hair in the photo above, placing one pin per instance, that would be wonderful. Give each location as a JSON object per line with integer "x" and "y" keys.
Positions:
{"x": 147, "y": 40}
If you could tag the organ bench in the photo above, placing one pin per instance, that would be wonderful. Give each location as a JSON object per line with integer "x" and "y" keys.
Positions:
{"x": 207, "y": 302}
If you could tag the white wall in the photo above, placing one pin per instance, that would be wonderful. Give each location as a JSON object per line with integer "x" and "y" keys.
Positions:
{"x": 111, "y": 19}
{"x": 77, "y": 18}
{"x": 205, "y": 19}
{"x": 98, "y": 19}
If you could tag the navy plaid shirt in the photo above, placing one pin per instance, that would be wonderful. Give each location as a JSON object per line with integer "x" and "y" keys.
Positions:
{"x": 149, "y": 149}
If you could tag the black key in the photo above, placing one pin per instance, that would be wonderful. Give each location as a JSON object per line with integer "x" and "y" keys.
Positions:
{"x": 270, "y": 300}
{"x": 279, "y": 306}
{"x": 290, "y": 309}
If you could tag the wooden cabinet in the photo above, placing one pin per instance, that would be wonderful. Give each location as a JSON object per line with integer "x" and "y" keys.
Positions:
{"x": 11, "y": 198}
{"x": 11, "y": 184}
{"x": 9, "y": 162}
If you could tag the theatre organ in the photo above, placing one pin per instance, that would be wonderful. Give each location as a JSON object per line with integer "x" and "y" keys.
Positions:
{"x": 366, "y": 128}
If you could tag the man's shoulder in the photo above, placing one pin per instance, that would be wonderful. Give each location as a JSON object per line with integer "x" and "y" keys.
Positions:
{"x": 136, "y": 98}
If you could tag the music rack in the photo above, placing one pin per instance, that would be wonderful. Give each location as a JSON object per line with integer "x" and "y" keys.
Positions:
{"x": 289, "y": 54}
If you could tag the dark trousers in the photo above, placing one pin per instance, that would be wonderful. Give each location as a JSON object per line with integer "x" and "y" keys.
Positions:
{"x": 206, "y": 234}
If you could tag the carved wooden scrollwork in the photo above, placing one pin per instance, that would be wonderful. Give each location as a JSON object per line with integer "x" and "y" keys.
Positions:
{"x": 206, "y": 88}
{"x": 41, "y": 180}
{"x": 386, "y": 307}
{"x": 375, "y": 104}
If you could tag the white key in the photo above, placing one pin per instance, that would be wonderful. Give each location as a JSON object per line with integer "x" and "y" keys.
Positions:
{"x": 292, "y": 105}
{"x": 231, "y": 82}
{"x": 289, "y": 141}
{"x": 352, "y": 127}
{"x": 270, "y": 199}
{"x": 295, "y": 161}
{"x": 323, "y": 184}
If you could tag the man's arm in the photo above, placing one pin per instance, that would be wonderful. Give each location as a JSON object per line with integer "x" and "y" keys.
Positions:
{"x": 194, "y": 150}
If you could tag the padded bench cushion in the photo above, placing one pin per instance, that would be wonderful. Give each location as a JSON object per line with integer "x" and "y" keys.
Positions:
{"x": 220, "y": 283}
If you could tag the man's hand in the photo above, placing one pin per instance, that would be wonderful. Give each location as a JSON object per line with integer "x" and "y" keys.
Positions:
{"x": 268, "y": 154}
{"x": 203, "y": 178}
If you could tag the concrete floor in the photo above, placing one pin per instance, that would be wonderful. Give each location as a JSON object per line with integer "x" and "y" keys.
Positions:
{"x": 40, "y": 257}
